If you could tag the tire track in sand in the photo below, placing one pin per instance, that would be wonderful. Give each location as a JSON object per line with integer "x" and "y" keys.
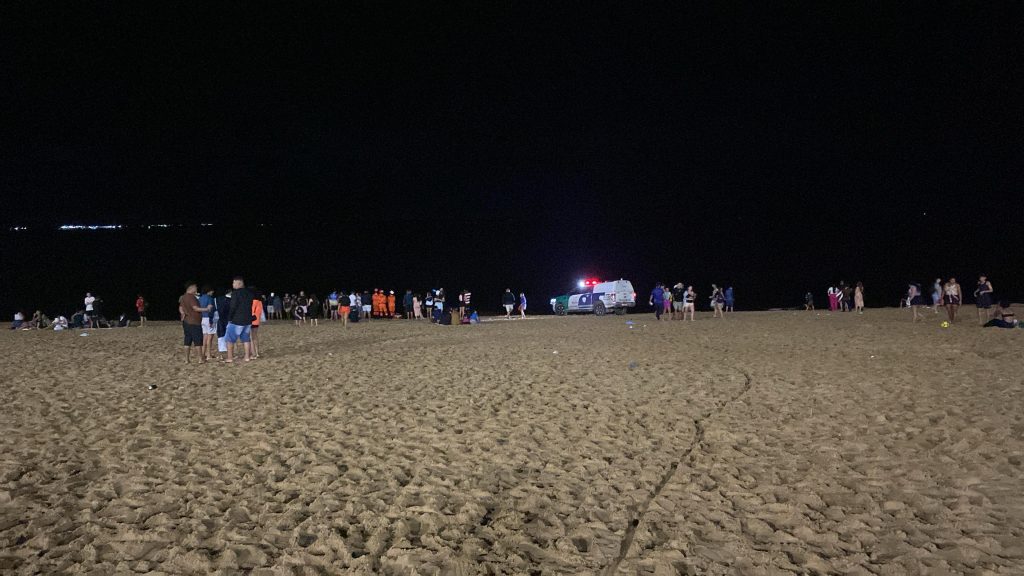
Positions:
{"x": 698, "y": 439}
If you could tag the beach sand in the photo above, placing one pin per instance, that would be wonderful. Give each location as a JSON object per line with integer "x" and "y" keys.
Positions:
{"x": 764, "y": 443}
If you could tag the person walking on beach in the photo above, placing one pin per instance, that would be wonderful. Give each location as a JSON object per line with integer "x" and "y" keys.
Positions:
{"x": 809, "y": 301}
{"x": 717, "y": 301}
{"x": 191, "y": 322}
{"x": 239, "y": 327}
{"x": 508, "y": 300}
{"x": 833, "y": 298}
{"x": 657, "y": 300}
{"x": 936, "y": 295}
{"x": 140, "y": 307}
{"x": 730, "y": 300}
{"x": 678, "y": 296}
{"x": 858, "y": 298}
{"x": 522, "y": 305}
{"x": 666, "y": 301}
{"x": 983, "y": 298}
{"x": 953, "y": 298}
{"x": 914, "y": 300}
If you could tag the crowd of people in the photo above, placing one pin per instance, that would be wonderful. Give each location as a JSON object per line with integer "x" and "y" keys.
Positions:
{"x": 950, "y": 295}
{"x": 233, "y": 318}
{"x": 678, "y": 300}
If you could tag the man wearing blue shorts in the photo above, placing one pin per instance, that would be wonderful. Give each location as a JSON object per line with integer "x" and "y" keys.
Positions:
{"x": 239, "y": 319}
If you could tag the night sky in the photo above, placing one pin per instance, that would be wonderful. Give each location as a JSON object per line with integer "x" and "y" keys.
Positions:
{"x": 779, "y": 149}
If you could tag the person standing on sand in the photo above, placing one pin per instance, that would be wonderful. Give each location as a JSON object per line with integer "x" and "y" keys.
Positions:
{"x": 428, "y": 303}
{"x": 191, "y": 322}
{"x": 690, "y": 303}
{"x": 140, "y": 307}
{"x": 833, "y": 299}
{"x": 657, "y": 300}
{"x": 914, "y": 300}
{"x": 936, "y": 295}
{"x": 522, "y": 305}
{"x": 407, "y": 305}
{"x": 953, "y": 298}
{"x": 508, "y": 300}
{"x": 257, "y": 318}
{"x": 392, "y": 310}
{"x": 983, "y": 298}
{"x": 730, "y": 300}
{"x": 209, "y": 305}
{"x": 846, "y": 295}
{"x": 809, "y": 301}
{"x": 239, "y": 327}
{"x": 90, "y": 310}
{"x": 222, "y": 303}
{"x": 666, "y": 301}
{"x": 858, "y": 298}
{"x": 417, "y": 312}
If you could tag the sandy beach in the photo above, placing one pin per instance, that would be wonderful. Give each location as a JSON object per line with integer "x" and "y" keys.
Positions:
{"x": 764, "y": 443}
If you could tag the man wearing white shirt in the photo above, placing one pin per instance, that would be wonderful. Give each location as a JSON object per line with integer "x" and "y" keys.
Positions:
{"x": 90, "y": 300}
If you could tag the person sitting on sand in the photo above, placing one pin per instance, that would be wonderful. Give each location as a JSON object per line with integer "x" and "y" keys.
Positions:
{"x": 1006, "y": 318}
{"x": 60, "y": 323}
{"x": 19, "y": 320}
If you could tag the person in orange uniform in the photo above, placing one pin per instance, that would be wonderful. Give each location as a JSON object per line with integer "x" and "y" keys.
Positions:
{"x": 378, "y": 303}
{"x": 391, "y": 304}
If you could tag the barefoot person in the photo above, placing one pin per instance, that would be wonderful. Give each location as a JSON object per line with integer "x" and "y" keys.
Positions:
{"x": 914, "y": 300}
{"x": 1006, "y": 318}
{"x": 522, "y": 305}
{"x": 508, "y": 300}
{"x": 936, "y": 295}
{"x": 657, "y": 300}
{"x": 140, "y": 307}
{"x": 239, "y": 320}
{"x": 208, "y": 304}
{"x": 858, "y": 298}
{"x": 257, "y": 317}
{"x": 717, "y": 301}
{"x": 953, "y": 298}
{"x": 983, "y": 299}
{"x": 689, "y": 303}
{"x": 191, "y": 322}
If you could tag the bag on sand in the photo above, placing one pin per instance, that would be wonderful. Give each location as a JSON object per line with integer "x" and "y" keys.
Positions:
{"x": 353, "y": 315}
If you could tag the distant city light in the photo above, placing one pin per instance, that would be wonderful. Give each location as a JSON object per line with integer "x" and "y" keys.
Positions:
{"x": 18, "y": 228}
{"x": 91, "y": 227}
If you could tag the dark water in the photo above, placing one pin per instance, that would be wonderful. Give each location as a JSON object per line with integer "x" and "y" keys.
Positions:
{"x": 769, "y": 265}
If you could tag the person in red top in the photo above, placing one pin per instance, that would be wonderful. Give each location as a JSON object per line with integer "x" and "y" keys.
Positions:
{"x": 257, "y": 313}
{"x": 140, "y": 307}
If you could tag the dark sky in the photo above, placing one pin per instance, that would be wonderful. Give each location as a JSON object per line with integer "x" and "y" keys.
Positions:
{"x": 782, "y": 126}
